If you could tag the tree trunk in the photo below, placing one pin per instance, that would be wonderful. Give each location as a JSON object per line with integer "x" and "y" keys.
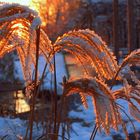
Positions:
{"x": 131, "y": 25}
{"x": 115, "y": 28}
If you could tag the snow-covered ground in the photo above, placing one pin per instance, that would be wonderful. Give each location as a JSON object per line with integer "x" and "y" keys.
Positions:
{"x": 83, "y": 132}
{"x": 80, "y": 130}
{"x": 12, "y": 128}
{"x": 48, "y": 80}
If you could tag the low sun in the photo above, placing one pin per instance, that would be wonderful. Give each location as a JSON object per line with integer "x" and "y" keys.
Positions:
{"x": 22, "y": 2}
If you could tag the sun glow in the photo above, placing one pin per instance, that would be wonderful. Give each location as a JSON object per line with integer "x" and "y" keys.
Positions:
{"x": 35, "y": 5}
{"x": 50, "y": 12}
{"x": 29, "y": 3}
{"x": 22, "y": 2}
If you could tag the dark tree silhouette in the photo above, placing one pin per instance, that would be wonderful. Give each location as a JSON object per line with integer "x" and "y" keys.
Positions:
{"x": 115, "y": 28}
{"x": 131, "y": 25}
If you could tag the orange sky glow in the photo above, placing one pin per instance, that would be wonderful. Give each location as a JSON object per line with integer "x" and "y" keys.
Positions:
{"x": 47, "y": 9}
{"x": 33, "y": 4}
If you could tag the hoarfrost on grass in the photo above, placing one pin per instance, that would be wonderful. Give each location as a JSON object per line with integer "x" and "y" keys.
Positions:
{"x": 83, "y": 132}
{"x": 35, "y": 23}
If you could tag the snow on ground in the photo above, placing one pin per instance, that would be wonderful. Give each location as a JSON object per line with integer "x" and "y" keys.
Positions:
{"x": 60, "y": 72}
{"x": 18, "y": 70}
{"x": 82, "y": 132}
{"x": 12, "y": 129}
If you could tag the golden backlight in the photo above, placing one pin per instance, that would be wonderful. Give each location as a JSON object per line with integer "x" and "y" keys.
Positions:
{"x": 18, "y": 26}
{"x": 33, "y": 4}
{"x": 23, "y": 2}
{"x": 47, "y": 9}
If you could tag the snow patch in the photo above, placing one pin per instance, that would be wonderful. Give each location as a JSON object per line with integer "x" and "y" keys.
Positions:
{"x": 49, "y": 77}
